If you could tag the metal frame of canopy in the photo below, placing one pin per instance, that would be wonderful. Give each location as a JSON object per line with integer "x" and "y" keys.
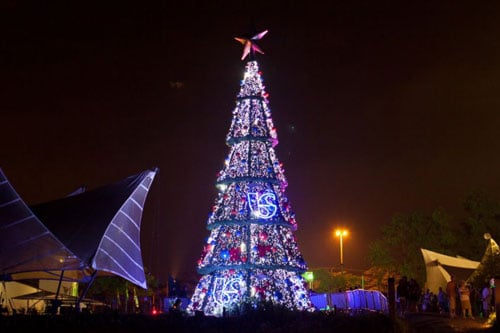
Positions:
{"x": 42, "y": 244}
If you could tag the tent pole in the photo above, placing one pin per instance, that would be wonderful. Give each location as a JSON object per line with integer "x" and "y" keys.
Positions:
{"x": 92, "y": 278}
{"x": 56, "y": 301}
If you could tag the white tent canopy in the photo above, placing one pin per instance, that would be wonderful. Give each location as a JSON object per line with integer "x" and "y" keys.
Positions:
{"x": 438, "y": 267}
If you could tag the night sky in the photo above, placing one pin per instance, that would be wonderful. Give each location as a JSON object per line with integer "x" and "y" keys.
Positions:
{"x": 380, "y": 107}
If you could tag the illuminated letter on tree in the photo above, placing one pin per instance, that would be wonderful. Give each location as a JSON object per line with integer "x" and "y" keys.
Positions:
{"x": 262, "y": 205}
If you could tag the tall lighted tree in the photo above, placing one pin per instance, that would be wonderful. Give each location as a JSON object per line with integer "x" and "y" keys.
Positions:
{"x": 251, "y": 254}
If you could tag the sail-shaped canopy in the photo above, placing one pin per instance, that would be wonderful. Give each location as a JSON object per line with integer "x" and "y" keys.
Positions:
{"x": 439, "y": 267}
{"x": 86, "y": 234}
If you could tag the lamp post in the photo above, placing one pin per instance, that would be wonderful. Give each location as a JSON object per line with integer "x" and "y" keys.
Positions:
{"x": 341, "y": 233}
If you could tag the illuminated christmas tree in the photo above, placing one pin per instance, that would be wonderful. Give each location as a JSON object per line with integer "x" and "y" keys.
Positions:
{"x": 251, "y": 254}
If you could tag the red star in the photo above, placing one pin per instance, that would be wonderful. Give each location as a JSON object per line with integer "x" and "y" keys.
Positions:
{"x": 249, "y": 44}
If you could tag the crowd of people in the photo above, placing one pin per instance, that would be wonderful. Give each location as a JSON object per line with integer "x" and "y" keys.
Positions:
{"x": 459, "y": 299}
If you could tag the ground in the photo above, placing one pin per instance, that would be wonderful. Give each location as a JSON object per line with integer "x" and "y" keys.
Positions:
{"x": 430, "y": 322}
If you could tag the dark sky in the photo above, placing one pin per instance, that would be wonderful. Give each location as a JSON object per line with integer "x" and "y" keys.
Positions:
{"x": 381, "y": 108}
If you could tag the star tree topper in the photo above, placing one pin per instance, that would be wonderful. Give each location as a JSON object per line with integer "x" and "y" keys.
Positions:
{"x": 249, "y": 44}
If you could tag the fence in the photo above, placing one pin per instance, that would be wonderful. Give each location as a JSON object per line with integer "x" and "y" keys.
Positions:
{"x": 352, "y": 300}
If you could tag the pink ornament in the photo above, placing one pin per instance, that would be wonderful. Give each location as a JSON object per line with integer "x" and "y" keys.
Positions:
{"x": 263, "y": 249}
{"x": 234, "y": 254}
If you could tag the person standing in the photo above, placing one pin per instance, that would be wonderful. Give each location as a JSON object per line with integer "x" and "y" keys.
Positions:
{"x": 414, "y": 295}
{"x": 451, "y": 291}
{"x": 486, "y": 294}
{"x": 464, "y": 292}
{"x": 402, "y": 294}
{"x": 442, "y": 299}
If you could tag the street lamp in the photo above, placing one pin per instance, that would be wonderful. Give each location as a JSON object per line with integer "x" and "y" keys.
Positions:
{"x": 341, "y": 233}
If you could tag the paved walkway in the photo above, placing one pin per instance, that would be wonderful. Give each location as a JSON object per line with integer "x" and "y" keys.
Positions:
{"x": 431, "y": 322}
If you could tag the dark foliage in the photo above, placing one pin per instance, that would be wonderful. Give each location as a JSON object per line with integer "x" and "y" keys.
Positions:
{"x": 267, "y": 319}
